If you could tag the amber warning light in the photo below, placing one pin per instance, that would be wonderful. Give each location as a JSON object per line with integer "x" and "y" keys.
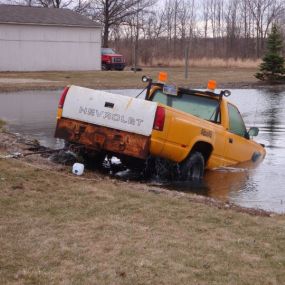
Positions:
{"x": 212, "y": 85}
{"x": 162, "y": 77}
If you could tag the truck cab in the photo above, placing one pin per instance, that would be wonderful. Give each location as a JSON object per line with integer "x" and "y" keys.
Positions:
{"x": 205, "y": 122}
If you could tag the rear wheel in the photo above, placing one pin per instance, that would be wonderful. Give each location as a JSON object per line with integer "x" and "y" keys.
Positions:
{"x": 93, "y": 159}
{"x": 105, "y": 66}
{"x": 192, "y": 169}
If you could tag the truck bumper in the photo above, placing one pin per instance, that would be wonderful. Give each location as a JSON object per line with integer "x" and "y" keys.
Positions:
{"x": 115, "y": 66}
{"x": 103, "y": 139}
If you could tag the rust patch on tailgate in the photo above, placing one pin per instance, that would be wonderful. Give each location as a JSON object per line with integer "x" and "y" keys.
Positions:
{"x": 102, "y": 138}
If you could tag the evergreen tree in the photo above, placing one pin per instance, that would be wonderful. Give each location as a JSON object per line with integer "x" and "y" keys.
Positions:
{"x": 272, "y": 67}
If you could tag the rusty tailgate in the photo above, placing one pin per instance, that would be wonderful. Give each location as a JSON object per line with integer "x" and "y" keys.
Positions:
{"x": 103, "y": 138}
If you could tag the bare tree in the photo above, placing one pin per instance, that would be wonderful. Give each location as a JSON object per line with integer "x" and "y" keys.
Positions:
{"x": 264, "y": 13}
{"x": 29, "y": 2}
{"x": 115, "y": 12}
{"x": 20, "y": 2}
{"x": 45, "y": 3}
{"x": 54, "y": 3}
{"x": 82, "y": 6}
{"x": 232, "y": 29}
{"x": 211, "y": 28}
{"x": 206, "y": 15}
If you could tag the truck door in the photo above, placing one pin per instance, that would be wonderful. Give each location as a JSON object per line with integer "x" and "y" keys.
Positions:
{"x": 238, "y": 147}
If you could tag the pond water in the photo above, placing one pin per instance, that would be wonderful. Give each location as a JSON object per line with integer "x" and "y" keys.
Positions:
{"x": 33, "y": 113}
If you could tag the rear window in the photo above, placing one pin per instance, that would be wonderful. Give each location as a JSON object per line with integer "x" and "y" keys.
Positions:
{"x": 199, "y": 106}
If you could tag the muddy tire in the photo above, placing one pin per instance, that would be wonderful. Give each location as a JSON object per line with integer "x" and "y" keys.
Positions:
{"x": 93, "y": 160}
{"x": 192, "y": 169}
{"x": 67, "y": 144}
{"x": 161, "y": 169}
{"x": 149, "y": 168}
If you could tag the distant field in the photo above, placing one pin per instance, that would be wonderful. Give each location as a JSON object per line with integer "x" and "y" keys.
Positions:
{"x": 210, "y": 62}
{"x": 230, "y": 77}
{"x": 2, "y": 123}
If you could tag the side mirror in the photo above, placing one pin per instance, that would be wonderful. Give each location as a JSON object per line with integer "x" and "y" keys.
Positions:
{"x": 227, "y": 93}
{"x": 145, "y": 79}
{"x": 148, "y": 88}
{"x": 253, "y": 131}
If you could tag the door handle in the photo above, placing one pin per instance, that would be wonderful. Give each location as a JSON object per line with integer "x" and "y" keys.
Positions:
{"x": 231, "y": 140}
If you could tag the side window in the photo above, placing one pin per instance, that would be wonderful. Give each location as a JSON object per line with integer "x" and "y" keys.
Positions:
{"x": 236, "y": 123}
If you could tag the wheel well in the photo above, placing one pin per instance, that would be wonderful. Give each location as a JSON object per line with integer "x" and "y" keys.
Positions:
{"x": 204, "y": 148}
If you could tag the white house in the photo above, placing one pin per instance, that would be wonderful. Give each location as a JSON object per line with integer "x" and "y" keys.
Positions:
{"x": 42, "y": 39}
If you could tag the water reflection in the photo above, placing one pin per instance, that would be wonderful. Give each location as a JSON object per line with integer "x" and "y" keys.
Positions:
{"x": 32, "y": 113}
{"x": 264, "y": 187}
{"x": 273, "y": 115}
{"x": 221, "y": 183}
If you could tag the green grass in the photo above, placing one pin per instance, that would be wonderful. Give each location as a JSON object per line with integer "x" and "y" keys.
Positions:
{"x": 60, "y": 229}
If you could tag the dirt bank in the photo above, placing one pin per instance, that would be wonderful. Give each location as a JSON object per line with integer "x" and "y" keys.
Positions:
{"x": 28, "y": 151}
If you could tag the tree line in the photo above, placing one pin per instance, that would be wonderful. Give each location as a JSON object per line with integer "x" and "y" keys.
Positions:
{"x": 166, "y": 30}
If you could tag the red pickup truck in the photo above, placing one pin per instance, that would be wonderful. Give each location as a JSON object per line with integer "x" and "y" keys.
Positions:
{"x": 112, "y": 60}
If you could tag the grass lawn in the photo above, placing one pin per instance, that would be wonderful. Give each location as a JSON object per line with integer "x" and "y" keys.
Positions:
{"x": 56, "y": 228}
{"x": 198, "y": 77}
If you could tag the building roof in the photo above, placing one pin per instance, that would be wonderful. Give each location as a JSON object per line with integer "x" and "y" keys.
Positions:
{"x": 14, "y": 14}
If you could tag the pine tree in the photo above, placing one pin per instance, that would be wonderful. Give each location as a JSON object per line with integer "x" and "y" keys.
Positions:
{"x": 272, "y": 67}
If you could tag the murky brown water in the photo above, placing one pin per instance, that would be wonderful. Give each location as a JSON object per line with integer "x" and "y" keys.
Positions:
{"x": 33, "y": 113}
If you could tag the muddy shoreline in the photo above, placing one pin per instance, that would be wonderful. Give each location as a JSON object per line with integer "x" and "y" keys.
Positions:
{"x": 28, "y": 152}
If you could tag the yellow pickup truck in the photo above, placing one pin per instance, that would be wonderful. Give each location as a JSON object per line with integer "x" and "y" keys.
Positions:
{"x": 193, "y": 129}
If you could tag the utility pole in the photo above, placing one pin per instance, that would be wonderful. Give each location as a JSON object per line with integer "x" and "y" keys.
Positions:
{"x": 136, "y": 45}
{"x": 186, "y": 60}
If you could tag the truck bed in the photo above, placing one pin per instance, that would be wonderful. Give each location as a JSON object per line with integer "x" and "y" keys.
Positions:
{"x": 109, "y": 110}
